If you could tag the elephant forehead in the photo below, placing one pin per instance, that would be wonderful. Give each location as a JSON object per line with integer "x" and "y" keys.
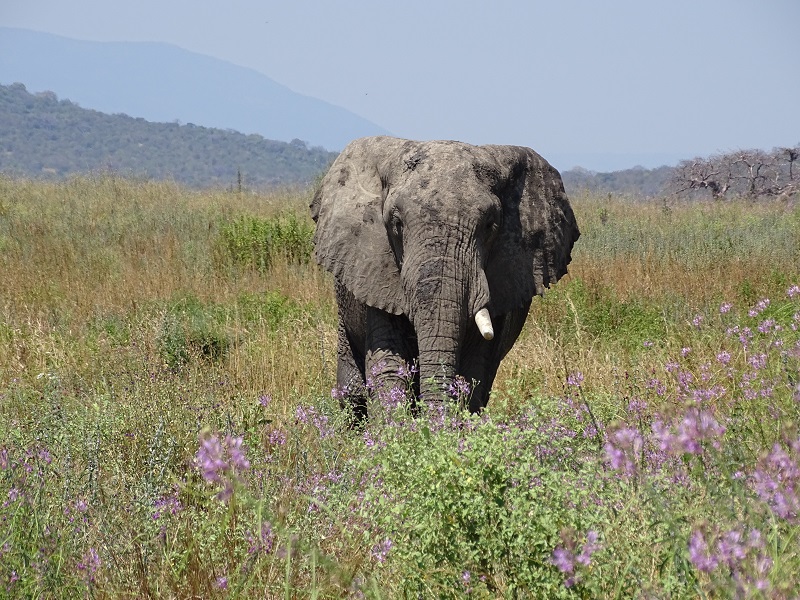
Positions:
{"x": 445, "y": 197}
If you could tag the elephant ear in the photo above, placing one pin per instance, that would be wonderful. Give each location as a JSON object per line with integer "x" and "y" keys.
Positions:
{"x": 351, "y": 240}
{"x": 535, "y": 242}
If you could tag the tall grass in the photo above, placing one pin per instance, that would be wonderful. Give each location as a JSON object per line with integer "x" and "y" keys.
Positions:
{"x": 167, "y": 428}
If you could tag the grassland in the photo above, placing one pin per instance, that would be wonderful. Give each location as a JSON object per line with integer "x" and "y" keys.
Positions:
{"x": 167, "y": 427}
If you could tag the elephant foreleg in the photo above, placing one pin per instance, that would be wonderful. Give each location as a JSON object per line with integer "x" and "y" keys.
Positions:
{"x": 350, "y": 376}
{"x": 350, "y": 350}
{"x": 391, "y": 350}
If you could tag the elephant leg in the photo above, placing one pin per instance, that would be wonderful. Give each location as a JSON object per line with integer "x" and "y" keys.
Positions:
{"x": 391, "y": 351}
{"x": 481, "y": 359}
{"x": 351, "y": 352}
{"x": 350, "y": 376}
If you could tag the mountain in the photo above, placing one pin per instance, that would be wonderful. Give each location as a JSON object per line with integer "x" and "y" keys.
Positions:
{"x": 44, "y": 137}
{"x": 163, "y": 83}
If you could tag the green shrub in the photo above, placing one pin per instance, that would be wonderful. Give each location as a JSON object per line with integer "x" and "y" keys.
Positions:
{"x": 190, "y": 328}
{"x": 257, "y": 242}
{"x": 478, "y": 506}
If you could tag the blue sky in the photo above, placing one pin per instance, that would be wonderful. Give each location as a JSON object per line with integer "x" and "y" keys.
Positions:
{"x": 604, "y": 84}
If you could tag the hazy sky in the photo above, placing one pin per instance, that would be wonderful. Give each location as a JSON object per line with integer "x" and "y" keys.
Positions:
{"x": 602, "y": 83}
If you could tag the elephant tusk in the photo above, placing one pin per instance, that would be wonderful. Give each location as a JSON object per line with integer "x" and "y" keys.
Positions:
{"x": 484, "y": 323}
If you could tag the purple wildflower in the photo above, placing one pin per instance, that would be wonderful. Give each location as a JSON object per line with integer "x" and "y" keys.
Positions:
{"x": 657, "y": 385}
{"x": 45, "y": 457}
{"x": 697, "y": 321}
{"x": 276, "y": 437}
{"x": 760, "y": 306}
{"x": 407, "y": 372}
{"x": 221, "y": 583}
{"x": 724, "y": 357}
{"x": 777, "y": 481}
{"x": 696, "y": 427}
{"x": 638, "y": 407}
{"x": 238, "y": 460}
{"x": 691, "y": 431}
{"x": 563, "y": 560}
{"x": 699, "y": 553}
{"x": 575, "y": 379}
{"x": 369, "y": 441}
{"x": 221, "y": 464}
{"x": 622, "y": 448}
{"x": 725, "y": 307}
{"x": 768, "y": 325}
{"x": 263, "y": 542}
{"x": 340, "y": 393}
{"x": 590, "y": 547}
{"x": 89, "y": 565}
{"x": 311, "y": 416}
{"x": 209, "y": 459}
{"x": 169, "y": 504}
{"x": 730, "y": 548}
{"x": 459, "y": 389}
{"x": 793, "y": 291}
{"x": 758, "y": 361}
{"x": 380, "y": 551}
{"x": 744, "y": 559}
{"x": 13, "y": 494}
{"x": 264, "y": 400}
{"x": 395, "y": 398}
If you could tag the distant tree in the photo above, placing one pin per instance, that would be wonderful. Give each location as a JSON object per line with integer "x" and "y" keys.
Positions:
{"x": 747, "y": 173}
{"x": 699, "y": 173}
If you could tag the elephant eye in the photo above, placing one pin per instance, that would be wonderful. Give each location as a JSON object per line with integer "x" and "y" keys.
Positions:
{"x": 492, "y": 225}
{"x": 397, "y": 226}
{"x": 396, "y": 236}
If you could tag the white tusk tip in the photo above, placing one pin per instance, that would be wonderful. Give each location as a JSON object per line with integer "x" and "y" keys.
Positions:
{"x": 484, "y": 323}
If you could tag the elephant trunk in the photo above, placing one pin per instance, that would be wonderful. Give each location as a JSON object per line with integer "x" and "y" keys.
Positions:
{"x": 446, "y": 304}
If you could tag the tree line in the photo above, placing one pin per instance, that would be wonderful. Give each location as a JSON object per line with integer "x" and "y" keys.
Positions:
{"x": 44, "y": 137}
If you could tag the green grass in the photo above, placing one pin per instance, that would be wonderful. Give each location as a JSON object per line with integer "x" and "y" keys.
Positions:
{"x": 167, "y": 428}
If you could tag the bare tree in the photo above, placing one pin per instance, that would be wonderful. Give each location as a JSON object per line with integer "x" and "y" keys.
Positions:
{"x": 750, "y": 173}
{"x": 790, "y": 155}
{"x": 699, "y": 174}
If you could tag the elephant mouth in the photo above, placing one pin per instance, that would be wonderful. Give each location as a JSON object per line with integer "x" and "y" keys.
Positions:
{"x": 484, "y": 323}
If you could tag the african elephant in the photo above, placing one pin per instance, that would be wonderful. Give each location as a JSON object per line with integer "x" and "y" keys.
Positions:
{"x": 437, "y": 249}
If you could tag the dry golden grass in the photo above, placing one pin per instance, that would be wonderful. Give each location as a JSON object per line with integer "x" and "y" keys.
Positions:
{"x": 95, "y": 249}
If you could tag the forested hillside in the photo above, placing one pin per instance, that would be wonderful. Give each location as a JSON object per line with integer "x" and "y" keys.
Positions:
{"x": 44, "y": 137}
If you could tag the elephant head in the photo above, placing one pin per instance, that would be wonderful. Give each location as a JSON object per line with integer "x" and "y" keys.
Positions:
{"x": 453, "y": 237}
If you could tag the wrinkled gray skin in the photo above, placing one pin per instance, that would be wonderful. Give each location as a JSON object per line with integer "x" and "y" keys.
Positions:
{"x": 419, "y": 237}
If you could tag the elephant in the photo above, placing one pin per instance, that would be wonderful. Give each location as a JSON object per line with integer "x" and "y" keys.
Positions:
{"x": 437, "y": 249}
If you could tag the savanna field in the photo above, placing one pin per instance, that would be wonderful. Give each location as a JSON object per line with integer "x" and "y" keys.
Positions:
{"x": 168, "y": 428}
